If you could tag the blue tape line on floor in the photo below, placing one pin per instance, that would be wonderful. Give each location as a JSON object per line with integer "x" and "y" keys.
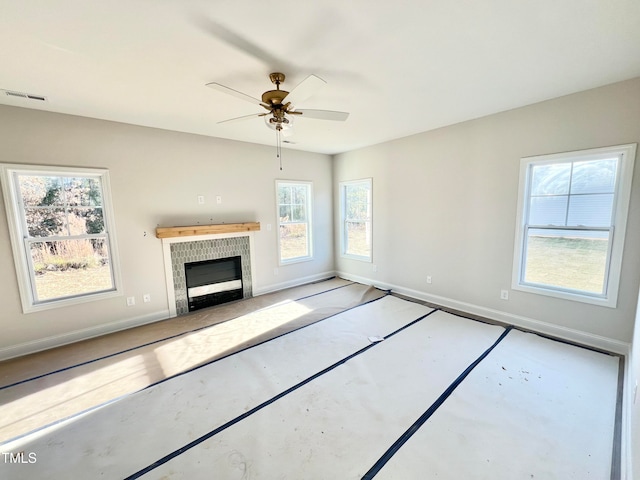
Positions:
{"x": 373, "y": 471}
{"x": 248, "y": 413}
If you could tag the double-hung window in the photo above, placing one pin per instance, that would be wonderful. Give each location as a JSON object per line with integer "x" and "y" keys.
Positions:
{"x": 572, "y": 217}
{"x": 294, "y": 221}
{"x": 355, "y": 219}
{"x": 61, "y": 228}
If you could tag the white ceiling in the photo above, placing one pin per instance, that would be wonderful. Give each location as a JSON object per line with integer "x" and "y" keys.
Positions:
{"x": 399, "y": 67}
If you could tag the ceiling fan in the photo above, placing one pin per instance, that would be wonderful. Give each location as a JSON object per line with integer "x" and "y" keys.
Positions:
{"x": 281, "y": 106}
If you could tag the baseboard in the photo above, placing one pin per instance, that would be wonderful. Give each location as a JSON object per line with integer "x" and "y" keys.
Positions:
{"x": 293, "y": 283}
{"x": 538, "y": 326}
{"x": 27, "y": 348}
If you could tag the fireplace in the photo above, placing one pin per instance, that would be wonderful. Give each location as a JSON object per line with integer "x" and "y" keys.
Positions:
{"x": 212, "y": 282}
{"x": 195, "y": 247}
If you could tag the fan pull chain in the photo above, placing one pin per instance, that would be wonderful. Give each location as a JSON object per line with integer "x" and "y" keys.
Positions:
{"x": 279, "y": 146}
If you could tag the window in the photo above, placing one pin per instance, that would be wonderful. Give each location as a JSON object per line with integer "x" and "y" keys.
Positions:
{"x": 572, "y": 216}
{"x": 61, "y": 232}
{"x": 294, "y": 221}
{"x": 355, "y": 216}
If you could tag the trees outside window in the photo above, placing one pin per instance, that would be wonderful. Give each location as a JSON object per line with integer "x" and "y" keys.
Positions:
{"x": 294, "y": 221}
{"x": 60, "y": 221}
{"x": 356, "y": 219}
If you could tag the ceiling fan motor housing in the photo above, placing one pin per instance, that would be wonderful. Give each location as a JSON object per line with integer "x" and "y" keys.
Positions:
{"x": 274, "y": 97}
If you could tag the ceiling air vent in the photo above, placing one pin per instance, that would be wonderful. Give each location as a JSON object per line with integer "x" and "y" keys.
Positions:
{"x": 27, "y": 96}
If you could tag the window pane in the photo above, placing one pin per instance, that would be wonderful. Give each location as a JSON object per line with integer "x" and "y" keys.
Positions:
{"x": 285, "y": 213}
{"x": 82, "y": 191}
{"x": 591, "y": 210}
{"x": 32, "y": 190}
{"x": 85, "y": 221}
{"x": 300, "y": 195}
{"x": 294, "y": 241}
{"x": 548, "y": 210}
{"x": 571, "y": 260}
{"x": 284, "y": 194}
{"x": 550, "y": 179}
{"x": 40, "y": 190}
{"x": 298, "y": 213}
{"x": 352, "y": 211}
{"x": 351, "y": 192}
{"x": 358, "y": 241}
{"x": 46, "y": 222}
{"x": 70, "y": 267}
{"x": 357, "y": 193}
{"x": 595, "y": 176}
{"x": 94, "y": 220}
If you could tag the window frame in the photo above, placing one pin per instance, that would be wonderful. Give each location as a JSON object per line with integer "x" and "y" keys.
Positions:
{"x": 617, "y": 229}
{"x": 309, "y": 216}
{"x": 344, "y": 220}
{"x": 20, "y": 238}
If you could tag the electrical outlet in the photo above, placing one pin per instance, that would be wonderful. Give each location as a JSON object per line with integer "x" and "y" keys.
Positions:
{"x": 219, "y": 199}
{"x": 504, "y": 294}
{"x": 276, "y": 271}
{"x": 429, "y": 279}
{"x": 268, "y": 227}
{"x": 131, "y": 301}
{"x": 146, "y": 298}
{"x": 374, "y": 267}
{"x": 200, "y": 199}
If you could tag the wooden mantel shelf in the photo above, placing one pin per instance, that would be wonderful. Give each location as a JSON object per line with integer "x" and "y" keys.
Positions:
{"x": 192, "y": 230}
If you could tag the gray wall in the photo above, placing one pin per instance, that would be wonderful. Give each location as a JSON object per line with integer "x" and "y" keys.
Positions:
{"x": 156, "y": 176}
{"x": 444, "y": 205}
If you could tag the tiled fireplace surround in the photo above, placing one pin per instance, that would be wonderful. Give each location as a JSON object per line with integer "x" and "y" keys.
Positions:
{"x": 181, "y": 250}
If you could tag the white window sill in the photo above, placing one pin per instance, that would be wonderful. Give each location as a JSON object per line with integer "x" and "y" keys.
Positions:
{"x": 359, "y": 258}
{"x": 284, "y": 263}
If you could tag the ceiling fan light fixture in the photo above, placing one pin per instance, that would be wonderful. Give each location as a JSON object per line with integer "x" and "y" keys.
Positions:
{"x": 284, "y": 124}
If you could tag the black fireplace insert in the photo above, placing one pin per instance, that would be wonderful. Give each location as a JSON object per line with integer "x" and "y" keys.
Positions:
{"x": 212, "y": 282}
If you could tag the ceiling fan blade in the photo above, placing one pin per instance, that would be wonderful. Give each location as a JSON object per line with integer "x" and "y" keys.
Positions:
{"x": 323, "y": 114}
{"x": 242, "y": 43}
{"x": 237, "y": 94}
{"x": 244, "y": 117}
{"x": 304, "y": 90}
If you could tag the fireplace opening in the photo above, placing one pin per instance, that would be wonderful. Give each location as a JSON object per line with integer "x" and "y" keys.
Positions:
{"x": 212, "y": 282}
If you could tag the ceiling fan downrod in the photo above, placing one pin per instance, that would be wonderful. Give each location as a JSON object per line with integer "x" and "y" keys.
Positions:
{"x": 277, "y": 78}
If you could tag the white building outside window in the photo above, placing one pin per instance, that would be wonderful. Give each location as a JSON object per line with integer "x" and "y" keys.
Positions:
{"x": 572, "y": 216}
